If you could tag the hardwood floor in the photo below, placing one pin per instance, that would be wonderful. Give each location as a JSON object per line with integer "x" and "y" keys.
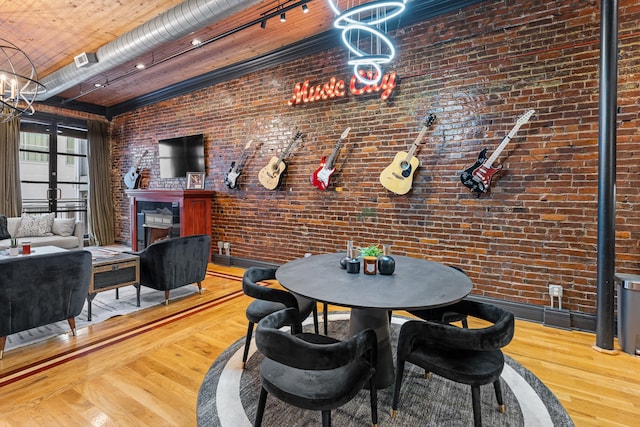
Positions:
{"x": 132, "y": 371}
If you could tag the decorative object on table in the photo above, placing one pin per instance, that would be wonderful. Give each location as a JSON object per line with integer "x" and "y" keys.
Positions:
{"x": 353, "y": 266}
{"x": 344, "y": 260}
{"x": 271, "y": 175}
{"x": 386, "y": 263}
{"x": 320, "y": 177}
{"x": 13, "y": 249}
{"x": 478, "y": 177}
{"x": 26, "y": 247}
{"x": 398, "y": 176}
{"x": 370, "y": 256}
{"x": 195, "y": 180}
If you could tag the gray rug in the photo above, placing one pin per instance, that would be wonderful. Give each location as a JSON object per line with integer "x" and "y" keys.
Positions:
{"x": 104, "y": 306}
{"x": 228, "y": 396}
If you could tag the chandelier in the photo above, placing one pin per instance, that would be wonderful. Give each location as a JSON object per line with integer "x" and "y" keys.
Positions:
{"x": 364, "y": 28}
{"x": 19, "y": 84}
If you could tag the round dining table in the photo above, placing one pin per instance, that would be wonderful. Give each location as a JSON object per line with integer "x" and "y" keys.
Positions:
{"x": 415, "y": 284}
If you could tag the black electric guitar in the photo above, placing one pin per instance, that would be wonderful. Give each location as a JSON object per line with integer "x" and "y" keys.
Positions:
{"x": 321, "y": 177}
{"x": 477, "y": 178}
{"x": 132, "y": 178}
{"x": 270, "y": 175}
{"x": 231, "y": 177}
{"x": 398, "y": 176}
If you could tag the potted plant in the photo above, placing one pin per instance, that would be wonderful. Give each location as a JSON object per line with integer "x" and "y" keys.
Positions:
{"x": 370, "y": 256}
{"x": 13, "y": 247}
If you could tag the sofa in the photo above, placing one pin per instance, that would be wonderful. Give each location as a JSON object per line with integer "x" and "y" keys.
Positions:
{"x": 64, "y": 233}
{"x": 37, "y": 290}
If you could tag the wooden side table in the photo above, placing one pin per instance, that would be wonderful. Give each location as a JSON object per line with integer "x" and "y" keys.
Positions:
{"x": 112, "y": 270}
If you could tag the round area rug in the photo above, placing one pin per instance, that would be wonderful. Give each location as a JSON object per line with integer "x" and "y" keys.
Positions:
{"x": 228, "y": 396}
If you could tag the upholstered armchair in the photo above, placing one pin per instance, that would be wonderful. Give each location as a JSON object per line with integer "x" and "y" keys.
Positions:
{"x": 312, "y": 371}
{"x": 268, "y": 300}
{"x": 36, "y": 290}
{"x": 172, "y": 263}
{"x": 469, "y": 356}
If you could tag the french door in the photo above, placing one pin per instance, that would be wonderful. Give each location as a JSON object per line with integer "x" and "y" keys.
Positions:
{"x": 53, "y": 167}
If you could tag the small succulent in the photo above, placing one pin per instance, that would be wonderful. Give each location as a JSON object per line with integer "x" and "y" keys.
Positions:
{"x": 372, "y": 250}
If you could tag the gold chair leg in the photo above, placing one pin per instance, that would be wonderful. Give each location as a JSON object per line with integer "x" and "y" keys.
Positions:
{"x": 200, "y": 288}
{"x": 502, "y": 409}
{"x": 72, "y": 325}
{"x": 394, "y": 412}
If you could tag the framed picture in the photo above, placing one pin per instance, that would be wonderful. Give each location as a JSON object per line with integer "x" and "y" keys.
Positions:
{"x": 195, "y": 180}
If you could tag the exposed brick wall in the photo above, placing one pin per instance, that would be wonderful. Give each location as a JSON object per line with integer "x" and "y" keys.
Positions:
{"x": 478, "y": 70}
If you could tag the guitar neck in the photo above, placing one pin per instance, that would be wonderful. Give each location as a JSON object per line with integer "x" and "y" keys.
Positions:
{"x": 286, "y": 150}
{"x": 522, "y": 120}
{"x": 415, "y": 144}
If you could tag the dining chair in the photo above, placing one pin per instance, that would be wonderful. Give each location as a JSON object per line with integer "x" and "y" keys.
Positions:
{"x": 469, "y": 356}
{"x": 312, "y": 371}
{"x": 268, "y": 300}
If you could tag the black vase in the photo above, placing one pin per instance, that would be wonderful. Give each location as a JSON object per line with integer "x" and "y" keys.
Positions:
{"x": 386, "y": 265}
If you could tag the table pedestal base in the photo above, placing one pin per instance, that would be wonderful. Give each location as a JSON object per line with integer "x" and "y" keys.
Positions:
{"x": 378, "y": 320}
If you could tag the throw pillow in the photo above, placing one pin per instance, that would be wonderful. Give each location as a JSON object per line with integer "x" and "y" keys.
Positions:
{"x": 63, "y": 226}
{"x": 35, "y": 226}
{"x": 4, "y": 232}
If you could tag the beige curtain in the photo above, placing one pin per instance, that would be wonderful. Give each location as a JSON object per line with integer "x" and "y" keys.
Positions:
{"x": 10, "y": 193}
{"x": 101, "y": 224}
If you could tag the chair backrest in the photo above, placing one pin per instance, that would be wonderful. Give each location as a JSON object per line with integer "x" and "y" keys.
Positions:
{"x": 250, "y": 286}
{"x": 492, "y": 337}
{"x": 294, "y": 351}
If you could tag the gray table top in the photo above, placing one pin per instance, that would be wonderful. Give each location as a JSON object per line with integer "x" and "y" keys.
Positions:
{"x": 415, "y": 284}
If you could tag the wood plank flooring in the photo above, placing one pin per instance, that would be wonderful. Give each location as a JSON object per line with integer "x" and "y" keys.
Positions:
{"x": 130, "y": 371}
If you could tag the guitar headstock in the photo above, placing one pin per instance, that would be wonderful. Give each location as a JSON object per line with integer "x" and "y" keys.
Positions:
{"x": 525, "y": 117}
{"x": 345, "y": 133}
{"x": 430, "y": 120}
{"x": 298, "y": 135}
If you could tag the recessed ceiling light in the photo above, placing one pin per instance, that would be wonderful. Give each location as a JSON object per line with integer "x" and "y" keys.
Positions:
{"x": 97, "y": 84}
{"x": 140, "y": 66}
{"x": 195, "y": 42}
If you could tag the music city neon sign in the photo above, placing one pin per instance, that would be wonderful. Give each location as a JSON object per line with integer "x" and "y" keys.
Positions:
{"x": 334, "y": 88}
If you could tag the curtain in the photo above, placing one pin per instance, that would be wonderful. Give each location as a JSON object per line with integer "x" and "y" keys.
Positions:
{"x": 10, "y": 193}
{"x": 101, "y": 224}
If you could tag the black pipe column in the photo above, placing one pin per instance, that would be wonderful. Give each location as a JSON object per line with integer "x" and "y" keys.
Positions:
{"x": 607, "y": 173}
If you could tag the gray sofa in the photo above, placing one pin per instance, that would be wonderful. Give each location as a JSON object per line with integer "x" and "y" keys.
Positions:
{"x": 73, "y": 241}
{"x": 37, "y": 290}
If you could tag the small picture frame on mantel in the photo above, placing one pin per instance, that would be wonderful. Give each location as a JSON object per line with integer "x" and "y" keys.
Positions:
{"x": 195, "y": 180}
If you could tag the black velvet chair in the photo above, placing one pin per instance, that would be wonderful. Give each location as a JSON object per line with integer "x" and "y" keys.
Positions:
{"x": 312, "y": 371}
{"x": 172, "y": 263}
{"x": 468, "y": 356}
{"x": 269, "y": 300}
{"x": 36, "y": 290}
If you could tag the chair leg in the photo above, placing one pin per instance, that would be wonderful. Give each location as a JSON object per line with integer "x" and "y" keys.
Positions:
{"x": 498, "y": 390}
{"x": 261, "y": 404}
{"x": 3, "y": 341}
{"x": 200, "y": 288}
{"x": 396, "y": 387}
{"x": 325, "y": 318}
{"x": 465, "y": 324}
{"x": 246, "y": 344}
{"x": 72, "y": 325}
{"x": 475, "y": 400}
{"x": 373, "y": 393}
{"x": 326, "y": 418}
{"x": 315, "y": 319}
{"x": 166, "y": 297}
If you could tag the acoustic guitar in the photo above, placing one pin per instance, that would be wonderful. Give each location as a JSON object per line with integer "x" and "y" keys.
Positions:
{"x": 132, "y": 178}
{"x": 398, "y": 176}
{"x": 270, "y": 175}
{"x": 320, "y": 177}
{"x": 477, "y": 178}
{"x": 231, "y": 177}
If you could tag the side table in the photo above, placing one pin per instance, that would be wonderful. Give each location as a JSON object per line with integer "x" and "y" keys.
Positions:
{"x": 112, "y": 270}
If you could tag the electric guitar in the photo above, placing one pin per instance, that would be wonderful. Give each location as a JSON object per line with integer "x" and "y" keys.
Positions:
{"x": 477, "y": 178}
{"x": 132, "y": 178}
{"x": 398, "y": 176}
{"x": 230, "y": 178}
{"x": 321, "y": 176}
{"x": 270, "y": 175}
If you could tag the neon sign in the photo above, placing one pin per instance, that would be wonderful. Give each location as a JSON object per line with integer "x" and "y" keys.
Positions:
{"x": 334, "y": 88}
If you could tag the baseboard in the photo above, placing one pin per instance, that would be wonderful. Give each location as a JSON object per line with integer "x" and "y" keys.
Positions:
{"x": 564, "y": 319}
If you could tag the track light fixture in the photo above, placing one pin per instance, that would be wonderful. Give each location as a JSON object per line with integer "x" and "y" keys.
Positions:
{"x": 263, "y": 24}
{"x": 305, "y": 8}
{"x": 283, "y": 17}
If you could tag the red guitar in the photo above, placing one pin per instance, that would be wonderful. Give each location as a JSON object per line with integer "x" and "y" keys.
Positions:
{"x": 477, "y": 178}
{"x": 321, "y": 176}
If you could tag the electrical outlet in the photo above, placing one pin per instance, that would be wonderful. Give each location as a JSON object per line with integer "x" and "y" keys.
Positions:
{"x": 555, "y": 290}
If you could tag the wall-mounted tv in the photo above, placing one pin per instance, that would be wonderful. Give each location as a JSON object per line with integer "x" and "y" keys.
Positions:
{"x": 181, "y": 155}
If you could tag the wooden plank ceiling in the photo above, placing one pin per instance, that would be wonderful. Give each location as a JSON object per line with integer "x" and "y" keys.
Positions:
{"x": 53, "y": 32}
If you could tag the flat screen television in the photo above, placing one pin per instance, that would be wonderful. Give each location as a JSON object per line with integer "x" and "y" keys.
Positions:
{"x": 181, "y": 155}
